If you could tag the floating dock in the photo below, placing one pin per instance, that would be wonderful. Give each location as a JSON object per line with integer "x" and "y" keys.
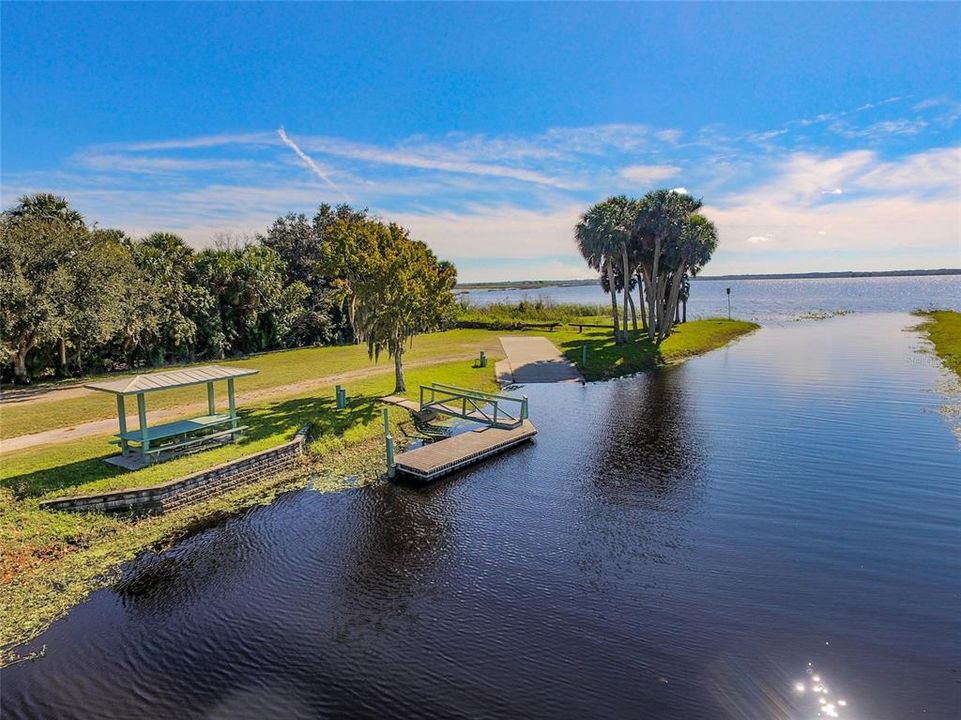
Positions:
{"x": 443, "y": 457}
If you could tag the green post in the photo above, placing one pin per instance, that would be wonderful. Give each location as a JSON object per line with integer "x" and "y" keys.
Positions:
{"x": 122, "y": 416}
{"x": 232, "y": 402}
{"x": 389, "y": 440}
{"x": 211, "y": 405}
{"x": 142, "y": 413}
{"x": 482, "y": 361}
{"x": 390, "y": 456}
{"x": 524, "y": 407}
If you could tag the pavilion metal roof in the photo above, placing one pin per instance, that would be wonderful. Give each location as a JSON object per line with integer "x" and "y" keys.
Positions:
{"x": 166, "y": 380}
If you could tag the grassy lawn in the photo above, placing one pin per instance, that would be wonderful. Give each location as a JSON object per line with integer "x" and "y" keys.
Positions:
{"x": 51, "y": 560}
{"x": 607, "y": 360}
{"x": 277, "y": 369}
{"x": 944, "y": 330}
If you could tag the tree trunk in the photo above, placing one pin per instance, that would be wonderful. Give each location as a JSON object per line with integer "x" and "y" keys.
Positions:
{"x": 399, "y": 385}
{"x": 630, "y": 299}
{"x": 663, "y": 286}
{"x": 654, "y": 288}
{"x": 610, "y": 285}
{"x": 642, "y": 307}
{"x": 20, "y": 376}
{"x": 676, "y": 283}
{"x": 62, "y": 349}
{"x": 626, "y": 277}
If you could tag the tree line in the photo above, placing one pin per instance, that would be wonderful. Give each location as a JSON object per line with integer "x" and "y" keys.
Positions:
{"x": 77, "y": 299}
{"x": 654, "y": 244}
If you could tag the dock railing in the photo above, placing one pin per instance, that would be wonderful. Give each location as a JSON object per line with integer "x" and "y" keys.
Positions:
{"x": 489, "y": 408}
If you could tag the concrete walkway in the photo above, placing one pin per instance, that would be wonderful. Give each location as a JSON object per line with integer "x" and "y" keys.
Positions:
{"x": 535, "y": 360}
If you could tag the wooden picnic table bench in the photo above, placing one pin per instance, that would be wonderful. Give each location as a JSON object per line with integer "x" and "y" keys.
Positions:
{"x": 581, "y": 326}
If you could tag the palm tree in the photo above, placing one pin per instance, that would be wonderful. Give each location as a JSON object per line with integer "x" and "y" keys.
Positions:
{"x": 46, "y": 206}
{"x": 603, "y": 235}
{"x": 657, "y": 230}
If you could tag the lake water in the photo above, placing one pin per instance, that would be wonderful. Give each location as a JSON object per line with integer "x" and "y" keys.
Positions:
{"x": 776, "y": 300}
{"x": 693, "y": 543}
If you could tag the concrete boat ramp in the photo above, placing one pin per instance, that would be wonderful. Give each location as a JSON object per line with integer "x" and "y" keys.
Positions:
{"x": 534, "y": 360}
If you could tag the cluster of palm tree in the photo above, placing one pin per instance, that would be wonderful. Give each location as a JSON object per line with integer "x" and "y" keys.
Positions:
{"x": 654, "y": 244}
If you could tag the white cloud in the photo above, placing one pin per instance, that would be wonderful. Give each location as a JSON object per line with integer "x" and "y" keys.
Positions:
{"x": 668, "y": 136}
{"x": 648, "y": 174}
{"x": 880, "y": 130}
{"x": 203, "y": 141}
{"x": 149, "y": 164}
{"x": 803, "y": 177}
{"x": 496, "y": 232}
{"x": 507, "y": 204}
{"x": 937, "y": 170}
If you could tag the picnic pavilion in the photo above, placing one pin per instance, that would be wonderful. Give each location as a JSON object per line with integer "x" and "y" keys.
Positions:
{"x": 139, "y": 447}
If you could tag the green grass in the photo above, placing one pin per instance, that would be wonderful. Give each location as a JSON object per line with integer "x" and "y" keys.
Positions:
{"x": 51, "y": 560}
{"x": 607, "y": 360}
{"x": 277, "y": 370}
{"x": 538, "y": 310}
{"x": 944, "y": 330}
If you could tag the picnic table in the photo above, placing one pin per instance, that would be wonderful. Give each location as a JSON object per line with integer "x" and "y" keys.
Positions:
{"x": 181, "y": 435}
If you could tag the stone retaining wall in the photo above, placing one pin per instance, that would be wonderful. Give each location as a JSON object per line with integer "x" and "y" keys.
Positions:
{"x": 200, "y": 485}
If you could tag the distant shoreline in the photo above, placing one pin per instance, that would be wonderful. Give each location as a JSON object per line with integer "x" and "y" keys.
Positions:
{"x": 535, "y": 284}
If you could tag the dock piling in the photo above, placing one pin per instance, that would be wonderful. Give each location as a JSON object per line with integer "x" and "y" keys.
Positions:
{"x": 389, "y": 441}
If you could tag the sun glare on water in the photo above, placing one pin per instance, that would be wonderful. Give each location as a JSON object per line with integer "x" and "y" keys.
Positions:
{"x": 821, "y": 702}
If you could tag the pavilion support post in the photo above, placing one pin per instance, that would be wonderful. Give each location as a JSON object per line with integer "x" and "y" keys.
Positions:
{"x": 211, "y": 404}
{"x": 122, "y": 417}
{"x": 142, "y": 413}
{"x": 232, "y": 400}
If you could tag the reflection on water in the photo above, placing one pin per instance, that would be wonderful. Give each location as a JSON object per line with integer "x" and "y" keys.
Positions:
{"x": 678, "y": 545}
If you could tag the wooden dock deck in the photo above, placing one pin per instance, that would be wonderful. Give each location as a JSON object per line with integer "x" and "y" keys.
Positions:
{"x": 430, "y": 462}
{"x": 403, "y": 402}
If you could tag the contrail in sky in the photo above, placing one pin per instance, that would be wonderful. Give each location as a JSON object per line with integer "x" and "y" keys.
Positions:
{"x": 308, "y": 161}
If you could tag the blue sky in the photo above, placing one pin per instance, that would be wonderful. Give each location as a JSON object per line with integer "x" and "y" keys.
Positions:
{"x": 821, "y": 136}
